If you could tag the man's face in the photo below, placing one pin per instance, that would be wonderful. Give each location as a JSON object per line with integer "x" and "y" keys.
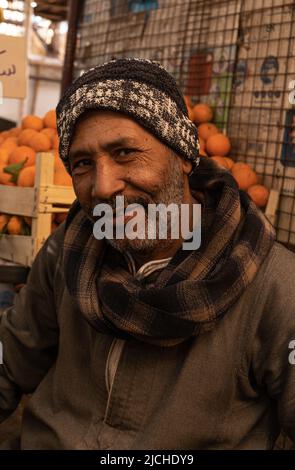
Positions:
{"x": 111, "y": 155}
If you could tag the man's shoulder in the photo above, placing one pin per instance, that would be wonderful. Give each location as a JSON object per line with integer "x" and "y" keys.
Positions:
{"x": 283, "y": 254}
{"x": 268, "y": 308}
{"x": 276, "y": 293}
{"x": 270, "y": 298}
{"x": 279, "y": 265}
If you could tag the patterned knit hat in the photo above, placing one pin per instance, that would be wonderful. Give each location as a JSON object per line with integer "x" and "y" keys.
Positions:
{"x": 139, "y": 88}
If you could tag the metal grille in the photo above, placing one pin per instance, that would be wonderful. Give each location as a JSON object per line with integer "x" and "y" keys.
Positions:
{"x": 236, "y": 55}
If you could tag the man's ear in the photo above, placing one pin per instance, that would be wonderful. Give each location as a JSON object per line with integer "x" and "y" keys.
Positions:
{"x": 186, "y": 166}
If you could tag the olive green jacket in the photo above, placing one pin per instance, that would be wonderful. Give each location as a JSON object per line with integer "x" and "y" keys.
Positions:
{"x": 230, "y": 388}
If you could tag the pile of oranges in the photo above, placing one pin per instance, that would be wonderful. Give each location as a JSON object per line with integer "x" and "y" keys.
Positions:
{"x": 18, "y": 149}
{"x": 19, "y": 146}
{"x": 21, "y": 225}
{"x": 216, "y": 145}
{"x": 15, "y": 225}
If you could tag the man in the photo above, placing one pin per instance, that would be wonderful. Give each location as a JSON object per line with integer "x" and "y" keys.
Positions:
{"x": 139, "y": 343}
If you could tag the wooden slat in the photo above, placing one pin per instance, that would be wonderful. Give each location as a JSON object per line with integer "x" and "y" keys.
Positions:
{"x": 17, "y": 201}
{"x": 49, "y": 208}
{"x": 272, "y": 205}
{"x": 44, "y": 169}
{"x": 50, "y": 193}
{"x": 41, "y": 229}
{"x": 56, "y": 195}
{"x": 17, "y": 248}
{"x": 38, "y": 203}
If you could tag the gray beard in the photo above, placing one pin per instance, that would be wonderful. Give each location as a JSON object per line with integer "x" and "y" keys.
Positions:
{"x": 171, "y": 192}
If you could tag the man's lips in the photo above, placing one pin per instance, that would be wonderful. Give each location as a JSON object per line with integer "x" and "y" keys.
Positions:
{"x": 122, "y": 217}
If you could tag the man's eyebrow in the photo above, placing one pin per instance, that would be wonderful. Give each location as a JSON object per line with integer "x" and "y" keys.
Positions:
{"x": 120, "y": 142}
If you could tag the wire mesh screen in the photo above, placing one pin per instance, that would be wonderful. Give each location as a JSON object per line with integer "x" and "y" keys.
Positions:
{"x": 236, "y": 55}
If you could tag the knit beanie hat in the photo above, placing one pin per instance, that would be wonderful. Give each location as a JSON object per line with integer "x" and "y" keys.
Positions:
{"x": 140, "y": 88}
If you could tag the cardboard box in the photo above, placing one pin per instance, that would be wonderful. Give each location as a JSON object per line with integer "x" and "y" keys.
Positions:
{"x": 13, "y": 67}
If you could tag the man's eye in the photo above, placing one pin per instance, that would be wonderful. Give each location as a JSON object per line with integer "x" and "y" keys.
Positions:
{"x": 124, "y": 152}
{"x": 82, "y": 163}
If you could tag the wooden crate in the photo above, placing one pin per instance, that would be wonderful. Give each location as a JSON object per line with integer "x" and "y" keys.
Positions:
{"x": 39, "y": 202}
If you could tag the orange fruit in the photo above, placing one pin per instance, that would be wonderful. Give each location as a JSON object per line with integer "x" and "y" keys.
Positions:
{"x": 4, "y": 156}
{"x": 220, "y": 161}
{"x": 218, "y": 144}
{"x": 23, "y": 153}
{"x": 230, "y": 162}
{"x": 202, "y": 153}
{"x": 26, "y": 176}
{"x": 58, "y": 161}
{"x": 49, "y": 132}
{"x": 5, "y": 178}
{"x": 26, "y": 136}
{"x": 55, "y": 141}
{"x": 206, "y": 129}
{"x": 14, "y": 225}
{"x": 202, "y": 113}
{"x": 14, "y": 132}
{"x": 190, "y": 114}
{"x": 5, "y": 134}
{"x": 240, "y": 166}
{"x": 226, "y": 162}
{"x": 62, "y": 177}
{"x": 2, "y": 138}
{"x": 259, "y": 194}
{"x": 49, "y": 119}
{"x": 188, "y": 101}
{"x": 40, "y": 142}
{"x": 3, "y": 221}
{"x": 202, "y": 143}
{"x": 10, "y": 144}
{"x": 245, "y": 177}
{"x": 32, "y": 122}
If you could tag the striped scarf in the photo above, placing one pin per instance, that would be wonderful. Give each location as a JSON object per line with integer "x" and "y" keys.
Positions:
{"x": 194, "y": 290}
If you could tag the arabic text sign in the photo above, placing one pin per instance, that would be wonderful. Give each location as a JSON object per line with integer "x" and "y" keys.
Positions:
{"x": 13, "y": 66}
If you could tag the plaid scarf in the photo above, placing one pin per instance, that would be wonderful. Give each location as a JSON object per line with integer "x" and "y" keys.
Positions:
{"x": 194, "y": 290}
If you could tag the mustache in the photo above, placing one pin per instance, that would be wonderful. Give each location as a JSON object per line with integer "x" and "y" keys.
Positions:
{"x": 143, "y": 201}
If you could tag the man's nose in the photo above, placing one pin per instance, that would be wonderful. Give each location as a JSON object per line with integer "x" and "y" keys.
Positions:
{"x": 108, "y": 179}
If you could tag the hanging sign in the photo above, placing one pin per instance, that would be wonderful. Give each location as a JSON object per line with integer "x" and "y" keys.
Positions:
{"x": 13, "y": 61}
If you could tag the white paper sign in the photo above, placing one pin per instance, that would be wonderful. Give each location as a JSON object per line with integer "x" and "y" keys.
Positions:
{"x": 13, "y": 62}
